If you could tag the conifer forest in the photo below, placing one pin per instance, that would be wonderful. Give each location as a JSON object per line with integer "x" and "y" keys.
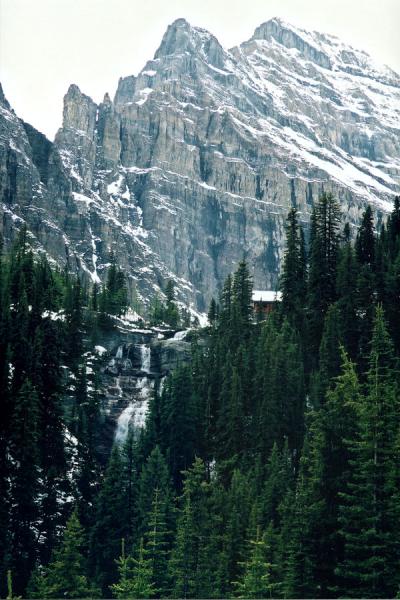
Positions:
{"x": 269, "y": 462}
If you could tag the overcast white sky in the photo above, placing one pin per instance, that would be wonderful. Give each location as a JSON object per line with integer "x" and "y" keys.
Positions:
{"x": 47, "y": 44}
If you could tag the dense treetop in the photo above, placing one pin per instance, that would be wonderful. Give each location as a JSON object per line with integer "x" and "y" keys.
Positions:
{"x": 269, "y": 463}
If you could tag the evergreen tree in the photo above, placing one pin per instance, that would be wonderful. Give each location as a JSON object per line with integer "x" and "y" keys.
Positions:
{"x": 157, "y": 543}
{"x": 305, "y": 521}
{"x": 231, "y": 436}
{"x": 123, "y": 589}
{"x": 329, "y": 356}
{"x": 182, "y": 565}
{"x": 171, "y": 312}
{"x": 242, "y": 310}
{"x": 110, "y": 523}
{"x": 369, "y": 501}
{"x": 255, "y": 582}
{"x": 281, "y": 408}
{"x": 178, "y": 418}
{"x": 154, "y": 478}
{"x": 225, "y": 313}
{"x": 393, "y": 229}
{"x": 5, "y": 409}
{"x": 86, "y": 473}
{"x": 365, "y": 241}
{"x": 324, "y": 244}
{"x": 212, "y": 313}
{"x": 392, "y": 296}
{"x": 346, "y": 287}
{"x": 192, "y": 566}
{"x": 279, "y": 480}
{"x": 135, "y": 576}
{"x": 237, "y": 506}
{"x": 65, "y": 576}
{"x": 293, "y": 279}
{"x": 25, "y": 486}
{"x": 74, "y": 323}
{"x": 131, "y": 463}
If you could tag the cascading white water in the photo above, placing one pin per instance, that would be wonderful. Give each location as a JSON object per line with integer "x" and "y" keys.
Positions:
{"x": 180, "y": 335}
{"x": 124, "y": 419}
{"x": 145, "y": 356}
{"x": 161, "y": 384}
{"x": 134, "y": 415}
{"x": 118, "y": 387}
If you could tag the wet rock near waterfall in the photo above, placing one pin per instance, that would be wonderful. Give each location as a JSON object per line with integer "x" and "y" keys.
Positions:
{"x": 134, "y": 364}
{"x": 169, "y": 354}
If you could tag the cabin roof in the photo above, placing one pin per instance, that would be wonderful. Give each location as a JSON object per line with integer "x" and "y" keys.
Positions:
{"x": 266, "y": 296}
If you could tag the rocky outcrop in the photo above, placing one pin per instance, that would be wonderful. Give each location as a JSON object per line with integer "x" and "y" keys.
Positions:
{"x": 198, "y": 159}
{"x": 75, "y": 141}
{"x": 134, "y": 363}
{"x": 108, "y": 136}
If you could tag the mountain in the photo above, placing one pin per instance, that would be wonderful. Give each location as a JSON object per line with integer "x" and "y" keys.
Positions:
{"x": 198, "y": 159}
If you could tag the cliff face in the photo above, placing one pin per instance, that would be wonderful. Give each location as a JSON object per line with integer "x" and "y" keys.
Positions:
{"x": 198, "y": 159}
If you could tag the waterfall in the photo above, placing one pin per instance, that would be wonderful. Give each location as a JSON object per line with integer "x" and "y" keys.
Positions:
{"x": 145, "y": 356}
{"x": 118, "y": 387}
{"x": 137, "y": 393}
{"x": 180, "y": 335}
{"x": 124, "y": 418}
{"x": 134, "y": 415}
{"x": 162, "y": 381}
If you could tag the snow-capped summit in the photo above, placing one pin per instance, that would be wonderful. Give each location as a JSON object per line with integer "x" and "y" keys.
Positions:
{"x": 326, "y": 50}
{"x": 199, "y": 157}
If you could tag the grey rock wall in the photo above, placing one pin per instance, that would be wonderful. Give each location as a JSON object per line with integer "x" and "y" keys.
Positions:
{"x": 198, "y": 159}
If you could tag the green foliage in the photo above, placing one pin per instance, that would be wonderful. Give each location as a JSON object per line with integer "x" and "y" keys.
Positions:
{"x": 324, "y": 246}
{"x": 135, "y": 576}
{"x": 111, "y": 522}
{"x": 10, "y": 595}
{"x": 178, "y": 423}
{"x": 256, "y": 579}
{"x": 65, "y": 576}
{"x": 369, "y": 507}
{"x": 293, "y": 282}
{"x": 166, "y": 313}
{"x": 114, "y": 296}
{"x": 269, "y": 463}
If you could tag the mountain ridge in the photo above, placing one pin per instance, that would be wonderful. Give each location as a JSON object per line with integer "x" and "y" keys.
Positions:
{"x": 198, "y": 158}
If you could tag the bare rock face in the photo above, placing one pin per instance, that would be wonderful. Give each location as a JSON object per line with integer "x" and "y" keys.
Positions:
{"x": 108, "y": 136}
{"x": 198, "y": 159}
{"x": 75, "y": 141}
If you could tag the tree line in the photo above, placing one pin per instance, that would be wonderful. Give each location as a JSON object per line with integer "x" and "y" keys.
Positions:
{"x": 269, "y": 464}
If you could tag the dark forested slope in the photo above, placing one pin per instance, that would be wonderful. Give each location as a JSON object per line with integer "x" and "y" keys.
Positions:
{"x": 268, "y": 465}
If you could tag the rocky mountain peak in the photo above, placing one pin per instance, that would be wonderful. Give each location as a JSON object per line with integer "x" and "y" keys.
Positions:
{"x": 76, "y": 138}
{"x": 79, "y": 111}
{"x": 178, "y": 38}
{"x": 181, "y": 37}
{"x": 201, "y": 155}
{"x": 3, "y": 99}
{"x": 125, "y": 90}
{"x": 324, "y": 50}
{"x": 292, "y": 37}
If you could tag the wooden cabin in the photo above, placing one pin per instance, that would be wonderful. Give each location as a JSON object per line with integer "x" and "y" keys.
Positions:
{"x": 264, "y": 301}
